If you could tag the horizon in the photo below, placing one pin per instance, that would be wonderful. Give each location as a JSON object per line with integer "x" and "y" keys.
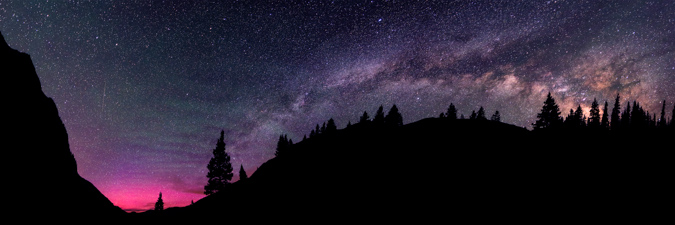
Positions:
{"x": 144, "y": 89}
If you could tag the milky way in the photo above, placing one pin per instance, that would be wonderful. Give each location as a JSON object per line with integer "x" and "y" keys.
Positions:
{"x": 144, "y": 88}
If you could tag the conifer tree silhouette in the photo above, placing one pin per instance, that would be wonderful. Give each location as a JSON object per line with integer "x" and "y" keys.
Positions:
{"x": 282, "y": 145}
{"x": 330, "y": 126}
{"x": 549, "y": 117}
{"x": 616, "y": 112}
{"x": 393, "y": 118}
{"x": 481, "y": 114}
{"x": 496, "y": 117}
{"x": 604, "y": 122}
{"x": 594, "y": 115}
{"x": 662, "y": 119}
{"x": 569, "y": 120}
{"x": 625, "y": 117}
{"x": 452, "y": 112}
{"x": 636, "y": 116}
{"x": 473, "y": 115}
{"x": 378, "y": 120}
{"x": 159, "y": 205}
{"x": 220, "y": 169}
{"x": 242, "y": 173}
{"x": 442, "y": 115}
{"x": 364, "y": 118}
{"x": 579, "y": 117}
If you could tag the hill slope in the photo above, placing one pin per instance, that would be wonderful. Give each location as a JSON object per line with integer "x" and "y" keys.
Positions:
{"x": 462, "y": 170}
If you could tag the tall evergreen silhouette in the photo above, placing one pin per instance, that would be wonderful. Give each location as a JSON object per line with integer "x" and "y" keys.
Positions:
{"x": 283, "y": 145}
{"x": 549, "y": 117}
{"x": 242, "y": 173}
{"x": 473, "y": 115}
{"x": 330, "y": 126}
{"x": 615, "y": 123}
{"x": 481, "y": 114}
{"x": 364, "y": 118}
{"x": 451, "y": 112}
{"x": 625, "y": 117}
{"x": 594, "y": 115}
{"x": 604, "y": 122}
{"x": 378, "y": 120}
{"x": 159, "y": 205}
{"x": 220, "y": 169}
{"x": 662, "y": 119}
{"x": 496, "y": 117}
{"x": 579, "y": 117}
{"x": 393, "y": 118}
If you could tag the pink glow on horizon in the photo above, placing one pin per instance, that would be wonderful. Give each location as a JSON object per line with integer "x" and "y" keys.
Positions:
{"x": 142, "y": 197}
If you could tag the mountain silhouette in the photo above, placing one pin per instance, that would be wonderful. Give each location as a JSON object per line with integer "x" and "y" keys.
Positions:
{"x": 437, "y": 169}
{"x": 448, "y": 170}
{"x": 43, "y": 178}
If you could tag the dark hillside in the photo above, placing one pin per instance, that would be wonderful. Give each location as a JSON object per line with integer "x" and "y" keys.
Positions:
{"x": 467, "y": 170}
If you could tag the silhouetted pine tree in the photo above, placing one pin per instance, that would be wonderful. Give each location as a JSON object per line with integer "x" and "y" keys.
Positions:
{"x": 616, "y": 113}
{"x": 473, "y": 115}
{"x": 496, "y": 117}
{"x": 349, "y": 123}
{"x": 637, "y": 117}
{"x": 442, "y": 115}
{"x": 570, "y": 122}
{"x": 312, "y": 134}
{"x": 625, "y": 117}
{"x": 364, "y": 118}
{"x": 393, "y": 118}
{"x": 594, "y": 115}
{"x": 323, "y": 128}
{"x": 159, "y": 205}
{"x": 330, "y": 126}
{"x": 283, "y": 145}
{"x": 481, "y": 114}
{"x": 461, "y": 117}
{"x": 579, "y": 117}
{"x": 378, "y": 120}
{"x": 242, "y": 173}
{"x": 549, "y": 117}
{"x": 604, "y": 122}
{"x": 317, "y": 130}
{"x": 452, "y": 112}
{"x": 662, "y": 119}
{"x": 220, "y": 169}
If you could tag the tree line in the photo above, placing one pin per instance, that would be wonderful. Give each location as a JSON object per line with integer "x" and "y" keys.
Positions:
{"x": 632, "y": 117}
{"x": 451, "y": 114}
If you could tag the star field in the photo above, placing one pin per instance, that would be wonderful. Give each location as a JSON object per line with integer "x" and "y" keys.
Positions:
{"x": 143, "y": 88}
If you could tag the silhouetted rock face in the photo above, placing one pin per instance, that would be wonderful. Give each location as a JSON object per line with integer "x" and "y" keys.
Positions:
{"x": 42, "y": 170}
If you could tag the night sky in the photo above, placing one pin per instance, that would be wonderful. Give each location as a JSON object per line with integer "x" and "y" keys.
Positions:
{"x": 144, "y": 87}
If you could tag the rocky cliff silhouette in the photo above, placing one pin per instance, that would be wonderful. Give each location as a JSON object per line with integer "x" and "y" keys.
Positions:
{"x": 43, "y": 178}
